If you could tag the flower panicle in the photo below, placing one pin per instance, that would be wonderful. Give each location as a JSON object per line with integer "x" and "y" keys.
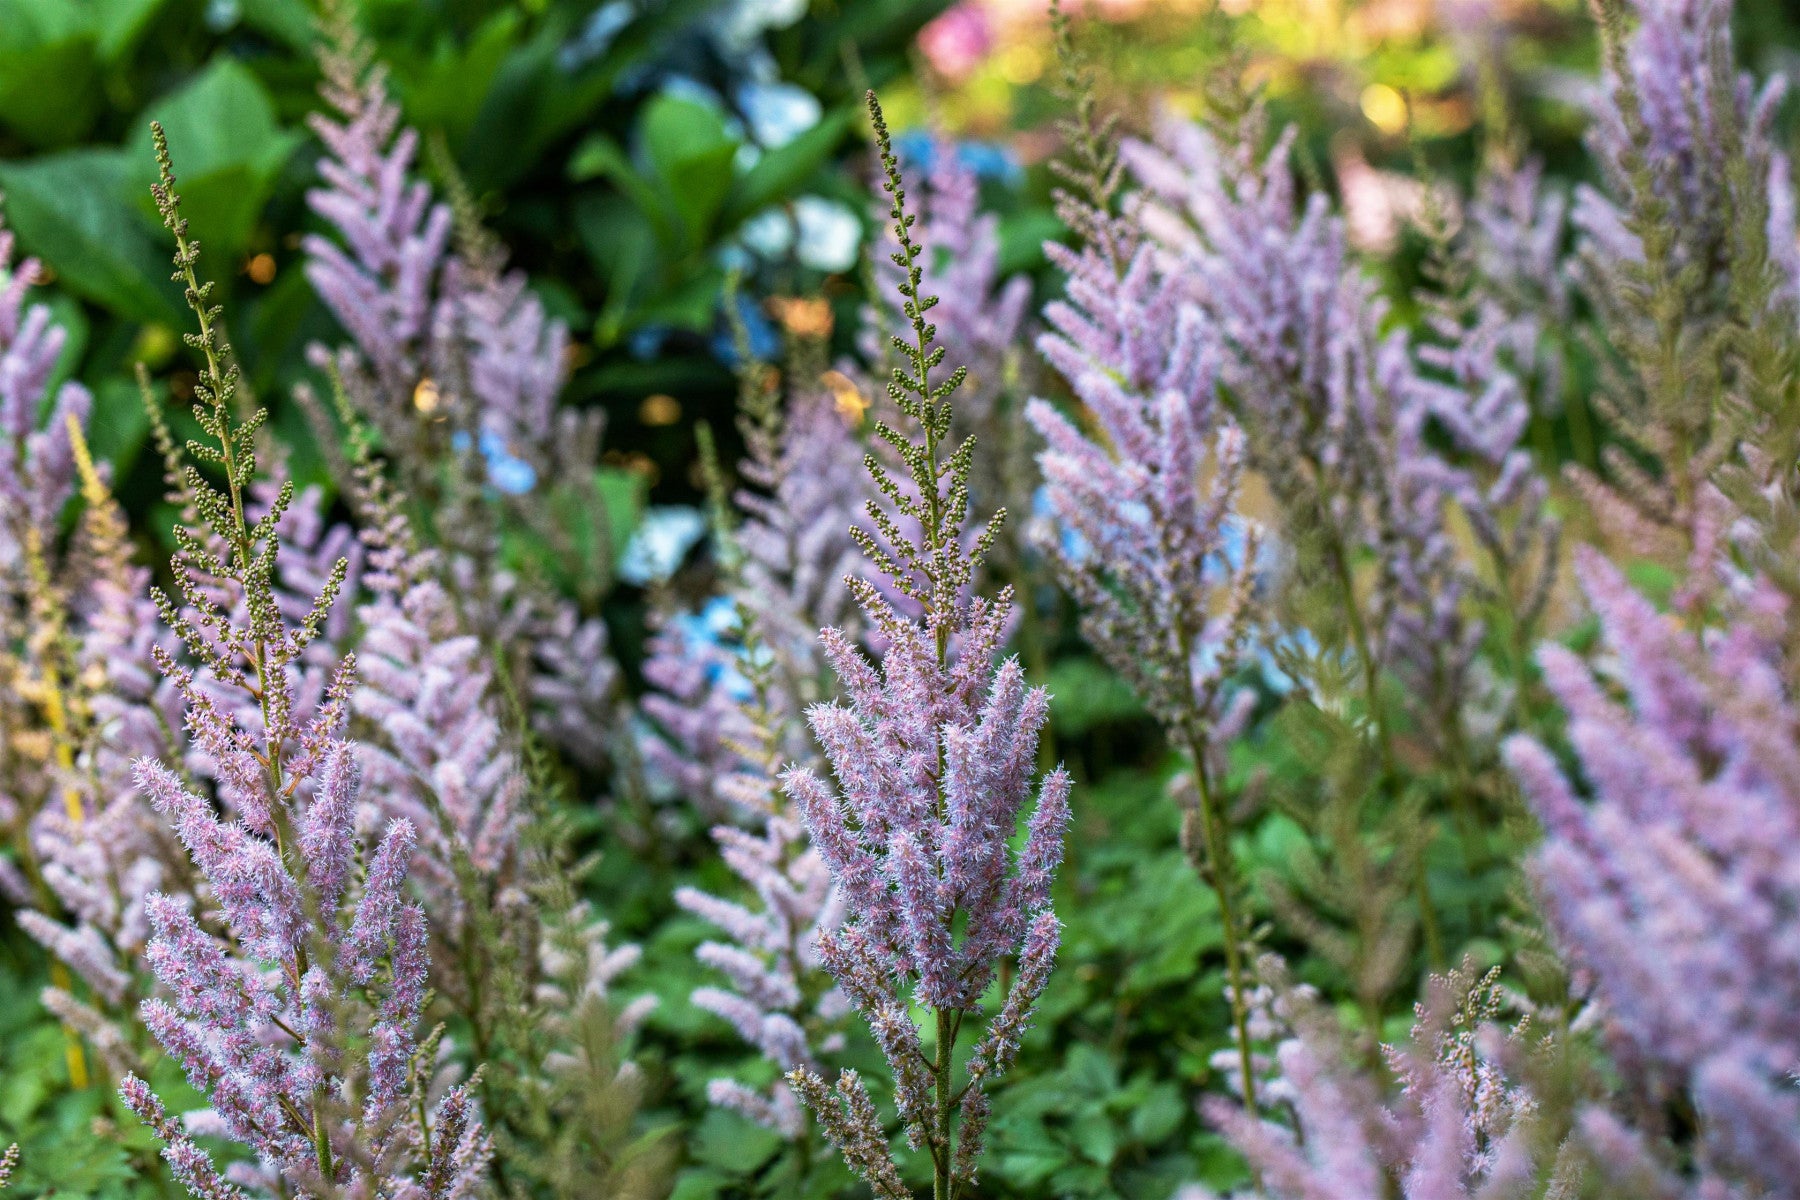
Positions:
{"x": 933, "y": 751}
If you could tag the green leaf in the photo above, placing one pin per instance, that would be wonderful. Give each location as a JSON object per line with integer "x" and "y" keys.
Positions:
{"x": 50, "y": 89}
{"x": 445, "y": 87}
{"x": 228, "y": 149}
{"x": 1159, "y": 1115}
{"x": 725, "y": 1139}
{"x": 1095, "y": 1136}
{"x": 290, "y": 21}
{"x": 120, "y": 23}
{"x": 782, "y": 172}
{"x": 72, "y": 209}
{"x": 691, "y": 151}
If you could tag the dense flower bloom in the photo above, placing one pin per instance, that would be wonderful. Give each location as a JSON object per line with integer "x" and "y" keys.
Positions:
{"x": 933, "y": 754}
{"x": 1459, "y": 1130}
{"x": 737, "y": 713}
{"x": 37, "y": 467}
{"x": 299, "y": 1026}
{"x": 1672, "y": 885}
{"x": 452, "y": 357}
{"x": 1335, "y": 412}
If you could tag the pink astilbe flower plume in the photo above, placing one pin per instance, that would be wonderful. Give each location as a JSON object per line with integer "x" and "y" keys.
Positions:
{"x": 787, "y": 563}
{"x": 79, "y": 697}
{"x": 933, "y": 752}
{"x": 457, "y": 364}
{"x": 1335, "y": 412}
{"x": 37, "y": 466}
{"x": 299, "y": 1027}
{"x": 1144, "y": 532}
{"x": 1689, "y": 258}
{"x": 983, "y": 318}
{"x": 1458, "y": 1129}
{"x": 1674, "y": 882}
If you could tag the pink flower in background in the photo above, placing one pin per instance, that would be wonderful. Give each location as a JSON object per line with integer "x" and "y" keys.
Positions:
{"x": 958, "y": 41}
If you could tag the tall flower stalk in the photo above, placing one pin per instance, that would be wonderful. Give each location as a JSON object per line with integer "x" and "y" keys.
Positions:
{"x": 298, "y": 1026}
{"x": 1147, "y": 539}
{"x": 933, "y": 756}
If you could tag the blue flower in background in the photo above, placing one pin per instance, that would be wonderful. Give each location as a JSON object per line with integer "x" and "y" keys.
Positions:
{"x": 508, "y": 474}
{"x": 991, "y": 160}
{"x": 918, "y": 151}
{"x": 769, "y": 234}
{"x": 711, "y": 637}
{"x": 765, "y": 343}
{"x": 647, "y": 341}
{"x": 1074, "y": 547}
{"x": 777, "y": 113}
{"x": 829, "y": 234}
{"x": 662, "y": 540}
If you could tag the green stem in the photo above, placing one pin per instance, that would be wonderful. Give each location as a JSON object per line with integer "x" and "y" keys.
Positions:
{"x": 1371, "y": 680}
{"x": 1216, "y": 870}
{"x": 942, "y": 1159}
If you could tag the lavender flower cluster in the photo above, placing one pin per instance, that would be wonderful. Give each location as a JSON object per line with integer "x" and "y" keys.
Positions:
{"x": 274, "y": 823}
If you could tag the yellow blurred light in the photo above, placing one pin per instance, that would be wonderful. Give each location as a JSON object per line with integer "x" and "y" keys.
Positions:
{"x": 851, "y": 403}
{"x": 426, "y": 397}
{"x": 659, "y": 409}
{"x": 1385, "y": 107}
{"x": 261, "y": 269}
{"x": 803, "y": 316}
{"x": 1021, "y": 64}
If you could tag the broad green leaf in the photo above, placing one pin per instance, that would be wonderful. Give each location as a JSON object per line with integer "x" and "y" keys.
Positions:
{"x": 445, "y": 86}
{"x": 49, "y": 78}
{"x": 782, "y": 172}
{"x": 691, "y": 151}
{"x": 228, "y": 149}
{"x": 119, "y": 24}
{"x": 292, "y": 21}
{"x": 73, "y": 210}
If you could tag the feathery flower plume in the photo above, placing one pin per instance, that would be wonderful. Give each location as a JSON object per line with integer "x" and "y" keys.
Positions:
{"x": 788, "y": 563}
{"x": 933, "y": 755}
{"x": 983, "y": 317}
{"x": 1690, "y": 260}
{"x": 452, "y": 358}
{"x": 1673, "y": 883}
{"x": 1144, "y": 504}
{"x": 300, "y": 1027}
{"x": 61, "y": 601}
{"x": 1458, "y": 1130}
{"x": 37, "y": 468}
{"x": 1334, "y": 413}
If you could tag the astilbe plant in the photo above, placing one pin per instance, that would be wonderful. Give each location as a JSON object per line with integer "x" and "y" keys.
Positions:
{"x": 1375, "y": 605}
{"x": 1689, "y": 259}
{"x": 1672, "y": 884}
{"x": 933, "y": 756}
{"x": 97, "y": 848}
{"x": 1458, "y": 1129}
{"x": 786, "y": 566}
{"x": 78, "y": 698}
{"x": 1334, "y": 412}
{"x": 299, "y": 1024}
{"x": 984, "y": 317}
{"x": 1145, "y": 530}
{"x": 459, "y": 369}
{"x": 514, "y": 953}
